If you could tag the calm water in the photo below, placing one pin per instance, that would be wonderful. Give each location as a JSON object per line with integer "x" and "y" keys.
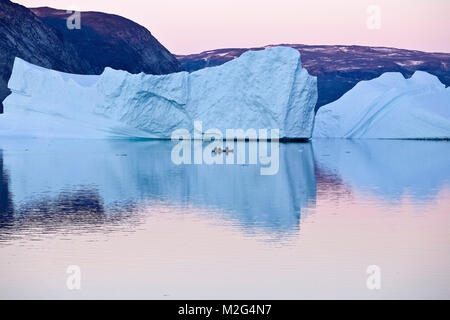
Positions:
{"x": 139, "y": 226}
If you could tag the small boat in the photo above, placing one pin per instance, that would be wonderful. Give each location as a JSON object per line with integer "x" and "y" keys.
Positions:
{"x": 217, "y": 150}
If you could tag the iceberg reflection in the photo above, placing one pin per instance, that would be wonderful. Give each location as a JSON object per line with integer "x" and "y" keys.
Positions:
{"x": 47, "y": 178}
{"x": 387, "y": 168}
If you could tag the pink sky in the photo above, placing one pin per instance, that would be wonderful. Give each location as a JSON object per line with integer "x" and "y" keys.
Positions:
{"x": 198, "y": 25}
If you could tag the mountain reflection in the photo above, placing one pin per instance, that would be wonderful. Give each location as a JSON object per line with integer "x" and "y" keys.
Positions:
{"x": 6, "y": 206}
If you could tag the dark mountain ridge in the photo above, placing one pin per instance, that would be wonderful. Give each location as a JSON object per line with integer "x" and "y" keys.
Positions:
{"x": 108, "y": 40}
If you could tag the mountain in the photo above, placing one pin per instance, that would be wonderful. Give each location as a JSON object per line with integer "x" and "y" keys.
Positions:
{"x": 40, "y": 36}
{"x": 108, "y": 40}
{"x": 340, "y": 68}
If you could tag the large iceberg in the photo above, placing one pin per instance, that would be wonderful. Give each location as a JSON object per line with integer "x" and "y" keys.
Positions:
{"x": 389, "y": 107}
{"x": 260, "y": 90}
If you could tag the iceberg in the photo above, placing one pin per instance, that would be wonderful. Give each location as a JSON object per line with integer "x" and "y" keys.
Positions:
{"x": 260, "y": 90}
{"x": 389, "y": 107}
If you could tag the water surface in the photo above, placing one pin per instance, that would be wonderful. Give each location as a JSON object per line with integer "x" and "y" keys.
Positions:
{"x": 140, "y": 226}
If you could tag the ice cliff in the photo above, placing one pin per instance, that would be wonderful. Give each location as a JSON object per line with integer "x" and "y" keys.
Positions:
{"x": 389, "y": 107}
{"x": 261, "y": 90}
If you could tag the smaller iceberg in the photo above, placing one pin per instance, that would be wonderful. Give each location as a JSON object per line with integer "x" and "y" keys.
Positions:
{"x": 389, "y": 107}
{"x": 266, "y": 89}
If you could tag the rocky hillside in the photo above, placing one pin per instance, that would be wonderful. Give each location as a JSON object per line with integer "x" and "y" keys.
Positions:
{"x": 107, "y": 40}
{"x": 339, "y": 68}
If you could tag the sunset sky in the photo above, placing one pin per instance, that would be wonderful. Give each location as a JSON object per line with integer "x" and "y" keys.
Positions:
{"x": 198, "y": 25}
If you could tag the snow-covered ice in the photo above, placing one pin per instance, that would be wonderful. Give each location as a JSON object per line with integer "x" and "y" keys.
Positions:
{"x": 389, "y": 107}
{"x": 266, "y": 89}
